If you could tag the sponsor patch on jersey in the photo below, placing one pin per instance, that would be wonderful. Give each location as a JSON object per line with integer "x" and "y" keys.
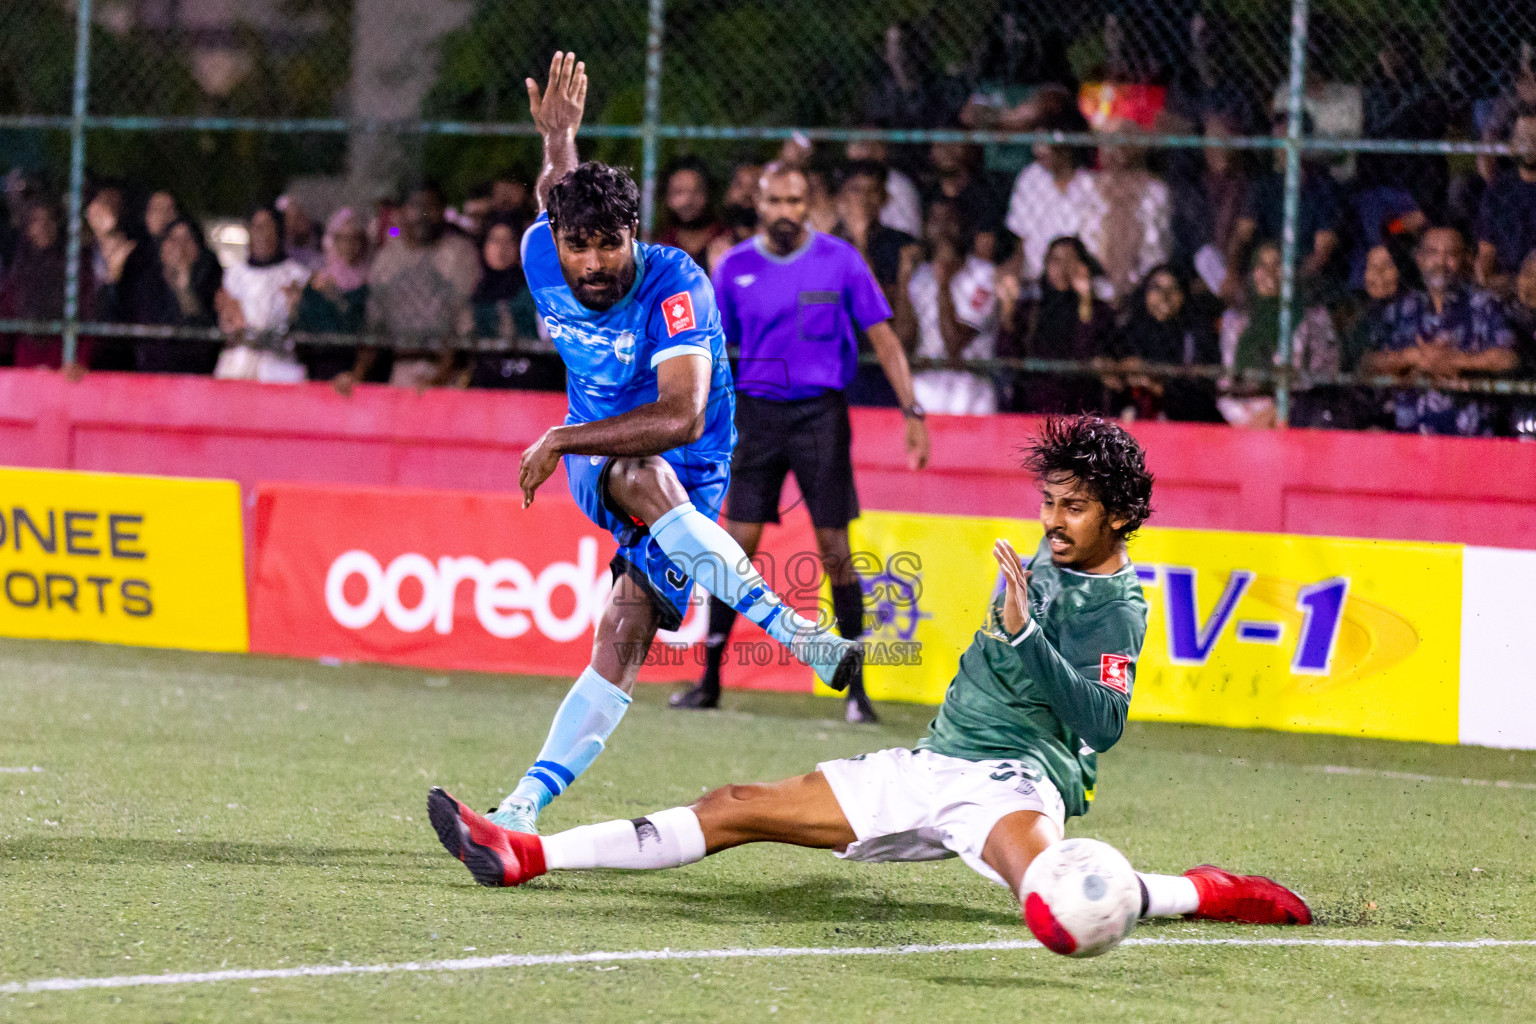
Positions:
{"x": 1115, "y": 672}
{"x": 679, "y": 313}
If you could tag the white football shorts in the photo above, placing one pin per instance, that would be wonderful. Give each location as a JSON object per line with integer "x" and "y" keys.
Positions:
{"x": 918, "y": 805}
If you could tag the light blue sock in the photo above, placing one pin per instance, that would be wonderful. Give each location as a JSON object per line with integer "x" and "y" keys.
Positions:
{"x": 587, "y": 717}
{"x": 710, "y": 556}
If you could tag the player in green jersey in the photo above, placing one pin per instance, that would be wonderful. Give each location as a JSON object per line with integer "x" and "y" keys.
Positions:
{"x": 1040, "y": 692}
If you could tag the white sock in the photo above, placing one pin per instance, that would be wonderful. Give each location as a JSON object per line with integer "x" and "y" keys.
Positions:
{"x": 666, "y": 839}
{"x": 1169, "y": 895}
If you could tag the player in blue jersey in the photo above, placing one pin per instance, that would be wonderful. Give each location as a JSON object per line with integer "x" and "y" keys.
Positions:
{"x": 646, "y": 440}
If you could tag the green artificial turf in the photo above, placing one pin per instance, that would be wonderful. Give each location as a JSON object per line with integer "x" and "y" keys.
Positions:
{"x": 201, "y": 812}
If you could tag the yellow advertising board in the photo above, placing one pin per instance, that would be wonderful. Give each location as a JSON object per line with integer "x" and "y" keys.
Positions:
{"x": 1309, "y": 634}
{"x": 150, "y": 561}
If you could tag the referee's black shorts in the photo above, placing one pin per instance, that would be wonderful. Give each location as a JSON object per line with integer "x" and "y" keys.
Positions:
{"x": 812, "y": 437}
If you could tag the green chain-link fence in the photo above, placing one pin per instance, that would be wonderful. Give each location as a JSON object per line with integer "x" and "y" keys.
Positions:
{"x": 226, "y": 104}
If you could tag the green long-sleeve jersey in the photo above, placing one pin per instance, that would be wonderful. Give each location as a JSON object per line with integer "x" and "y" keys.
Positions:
{"x": 1057, "y": 692}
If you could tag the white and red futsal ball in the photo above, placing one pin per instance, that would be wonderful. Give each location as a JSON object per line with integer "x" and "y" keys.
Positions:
{"x": 1081, "y": 897}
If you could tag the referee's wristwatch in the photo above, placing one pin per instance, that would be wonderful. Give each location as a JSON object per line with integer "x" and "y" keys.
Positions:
{"x": 915, "y": 412}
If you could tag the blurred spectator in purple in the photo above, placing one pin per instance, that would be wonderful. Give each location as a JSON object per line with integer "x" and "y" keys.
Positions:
{"x": 178, "y": 289}
{"x": 255, "y": 303}
{"x": 738, "y": 211}
{"x": 957, "y": 176}
{"x": 335, "y": 298}
{"x": 502, "y": 308}
{"x": 1444, "y": 332}
{"x": 1250, "y": 340}
{"x": 1067, "y": 320}
{"x": 954, "y": 316}
{"x": 1054, "y": 197}
{"x": 1168, "y": 326}
{"x": 903, "y": 209}
{"x": 913, "y": 91}
{"x": 301, "y": 235}
{"x": 1380, "y": 212}
{"x": 32, "y": 288}
{"x": 690, "y": 224}
{"x": 1135, "y": 235}
{"x": 1319, "y": 214}
{"x": 419, "y": 289}
{"x": 1506, "y": 218}
{"x": 1208, "y": 203}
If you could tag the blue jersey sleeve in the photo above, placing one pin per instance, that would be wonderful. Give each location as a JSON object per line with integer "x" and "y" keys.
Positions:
{"x": 541, "y": 264}
{"x": 684, "y": 320}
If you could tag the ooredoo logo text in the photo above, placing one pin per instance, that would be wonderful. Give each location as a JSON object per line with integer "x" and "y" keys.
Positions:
{"x": 507, "y": 597}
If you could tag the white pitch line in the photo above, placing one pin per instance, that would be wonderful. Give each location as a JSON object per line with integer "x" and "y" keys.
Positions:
{"x": 480, "y": 963}
{"x": 1339, "y": 769}
{"x": 20, "y": 771}
{"x": 1369, "y": 773}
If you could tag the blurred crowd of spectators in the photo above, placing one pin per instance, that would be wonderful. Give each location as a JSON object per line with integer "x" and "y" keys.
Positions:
{"x": 1120, "y": 257}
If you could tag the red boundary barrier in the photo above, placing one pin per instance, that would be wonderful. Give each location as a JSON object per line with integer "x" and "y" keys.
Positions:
{"x": 1294, "y": 481}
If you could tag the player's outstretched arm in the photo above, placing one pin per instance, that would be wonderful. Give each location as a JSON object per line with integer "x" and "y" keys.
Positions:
{"x": 1089, "y": 707}
{"x": 557, "y": 113}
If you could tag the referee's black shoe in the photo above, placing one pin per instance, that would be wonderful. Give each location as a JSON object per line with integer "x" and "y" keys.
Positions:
{"x": 859, "y": 710}
{"x": 701, "y": 697}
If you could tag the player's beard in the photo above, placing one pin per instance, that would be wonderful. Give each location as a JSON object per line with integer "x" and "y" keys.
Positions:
{"x": 600, "y": 291}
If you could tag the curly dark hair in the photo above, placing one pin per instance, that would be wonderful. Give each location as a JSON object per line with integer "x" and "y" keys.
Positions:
{"x": 1101, "y": 454}
{"x": 594, "y": 201}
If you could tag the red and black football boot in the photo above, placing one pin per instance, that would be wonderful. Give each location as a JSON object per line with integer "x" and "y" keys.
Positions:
{"x": 496, "y": 856}
{"x": 1244, "y": 899}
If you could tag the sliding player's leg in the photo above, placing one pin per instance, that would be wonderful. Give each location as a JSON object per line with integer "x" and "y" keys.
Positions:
{"x": 801, "y": 811}
{"x": 1204, "y": 893}
{"x": 593, "y": 707}
{"x": 649, "y": 489}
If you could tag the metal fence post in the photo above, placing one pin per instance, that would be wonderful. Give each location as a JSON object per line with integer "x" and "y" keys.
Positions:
{"x": 76, "y": 180}
{"x": 655, "y": 22}
{"x": 1293, "y": 125}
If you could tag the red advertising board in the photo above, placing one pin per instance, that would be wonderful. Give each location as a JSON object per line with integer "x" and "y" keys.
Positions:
{"x": 452, "y": 580}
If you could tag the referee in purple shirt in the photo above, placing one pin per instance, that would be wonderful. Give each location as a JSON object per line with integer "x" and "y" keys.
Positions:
{"x": 794, "y": 298}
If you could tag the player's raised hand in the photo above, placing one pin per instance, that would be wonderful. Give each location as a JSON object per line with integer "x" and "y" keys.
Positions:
{"x": 537, "y": 465}
{"x": 558, "y": 109}
{"x": 1016, "y": 589}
